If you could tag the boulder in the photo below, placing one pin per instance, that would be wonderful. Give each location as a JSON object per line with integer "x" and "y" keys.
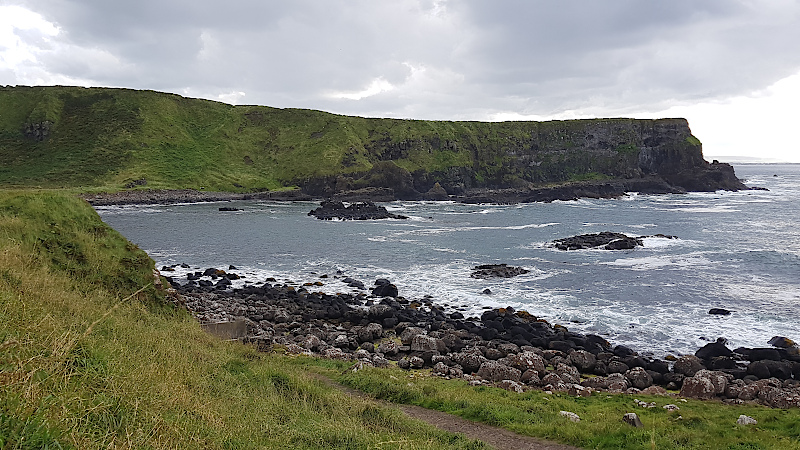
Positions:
{"x": 688, "y": 365}
{"x": 746, "y": 420}
{"x": 633, "y": 420}
{"x": 385, "y": 290}
{"x": 639, "y": 378}
{"x": 470, "y": 360}
{"x": 713, "y": 350}
{"x": 436, "y": 193}
{"x": 781, "y": 342}
{"x": 495, "y": 371}
{"x": 583, "y": 360}
{"x": 571, "y": 416}
{"x": 527, "y": 361}
{"x": 705, "y": 384}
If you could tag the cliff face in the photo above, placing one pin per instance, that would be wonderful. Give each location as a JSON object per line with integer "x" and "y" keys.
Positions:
{"x": 119, "y": 138}
{"x": 654, "y": 155}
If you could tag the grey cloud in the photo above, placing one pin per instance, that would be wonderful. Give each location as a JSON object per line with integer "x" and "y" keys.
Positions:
{"x": 446, "y": 59}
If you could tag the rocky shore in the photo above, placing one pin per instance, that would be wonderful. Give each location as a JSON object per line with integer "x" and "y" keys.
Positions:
{"x": 511, "y": 349}
{"x": 165, "y": 196}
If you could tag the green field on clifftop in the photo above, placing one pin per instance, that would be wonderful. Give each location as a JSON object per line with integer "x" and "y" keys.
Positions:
{"x": 105, "y": 139}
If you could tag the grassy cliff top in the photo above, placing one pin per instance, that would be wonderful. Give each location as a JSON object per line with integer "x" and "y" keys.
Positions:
{"x": 105, "y": 139}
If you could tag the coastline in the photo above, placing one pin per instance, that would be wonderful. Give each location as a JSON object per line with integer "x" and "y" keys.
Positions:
{"x": 605, "y": 189}
{"x": 504, "y": 347}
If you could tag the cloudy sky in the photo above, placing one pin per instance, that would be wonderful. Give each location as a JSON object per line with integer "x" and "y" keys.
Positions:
{"x": 732, "y": 67}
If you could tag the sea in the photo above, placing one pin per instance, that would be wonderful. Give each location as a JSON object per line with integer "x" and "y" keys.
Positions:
{"x": 738, "y": 251}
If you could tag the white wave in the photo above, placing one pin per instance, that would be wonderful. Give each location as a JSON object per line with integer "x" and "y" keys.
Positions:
{"x": 688, "y": 261}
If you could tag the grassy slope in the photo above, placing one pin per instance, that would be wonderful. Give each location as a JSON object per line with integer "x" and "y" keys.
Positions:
{"x": 105, "y": 138}
{"x": 84, "y": 364}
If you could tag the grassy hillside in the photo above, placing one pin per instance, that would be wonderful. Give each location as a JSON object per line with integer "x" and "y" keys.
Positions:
{"x": 91, "y": 356}
{"x": 108, "y": 138}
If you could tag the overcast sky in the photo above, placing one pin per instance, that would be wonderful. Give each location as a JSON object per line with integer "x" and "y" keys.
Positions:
{"x": 731, "y": 67}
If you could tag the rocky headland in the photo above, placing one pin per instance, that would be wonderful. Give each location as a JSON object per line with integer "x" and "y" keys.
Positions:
{"x": 511, "y": 349}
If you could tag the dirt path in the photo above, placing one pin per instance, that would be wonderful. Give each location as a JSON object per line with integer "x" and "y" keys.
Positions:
{"x": 496, "y": 437}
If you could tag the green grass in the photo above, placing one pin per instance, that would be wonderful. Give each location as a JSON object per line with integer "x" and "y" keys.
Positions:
{"x": 102, "y": 139}
{"x": 92, "y": 356}
{"x": 698, "y": 425}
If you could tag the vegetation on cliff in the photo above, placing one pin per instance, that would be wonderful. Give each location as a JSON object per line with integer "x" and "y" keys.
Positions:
{"x": 110, "y": 139}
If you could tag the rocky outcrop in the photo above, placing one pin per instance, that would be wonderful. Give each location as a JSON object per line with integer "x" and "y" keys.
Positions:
{"x": 329, "y": 210}
{"x": 497, "y": 271}
{"x": 606, "y": 240}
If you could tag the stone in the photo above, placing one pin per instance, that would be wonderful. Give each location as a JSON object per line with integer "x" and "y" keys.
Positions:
{"x": 422, "y": 343}
{"x": 495, "y": 371}
{"x": 526, "y": 361}
{"x": 370, "y": 332}
{"x": 408, "y": 334}
{"x": 583, "y": 360}
{"x": 576, "y": 390}
{"x": 781, "y": 342}
{"x": 385, "y": 290}
{"x": 697, "y": 387}
{"x": 416, "y": 362}
{"x": 688, "y": 365}
{"x": 713, "y": 350}
{"x": 511, "y": 385}
{"x": 471, "y": 360}
{"x": 746, "y": 420}
{"x": 719, "y": 311}
{"x": 633, "y": 420}
{"x": 571, "y": 416}
{"x": 639, "y": 378}
{"x": 388, "y": 348}
{"x": 531, "y": 378}
{"x": 671, "y": 408}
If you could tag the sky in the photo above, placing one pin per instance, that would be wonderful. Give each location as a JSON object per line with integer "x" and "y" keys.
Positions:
{"x": 731, "y": 67}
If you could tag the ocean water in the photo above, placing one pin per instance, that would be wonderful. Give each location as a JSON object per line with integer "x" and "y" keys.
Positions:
{"x": 734, "y": 250}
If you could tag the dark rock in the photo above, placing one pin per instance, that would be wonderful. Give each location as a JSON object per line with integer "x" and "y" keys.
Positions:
{"x": 357, "y": 211}
{"x": 497, "y": 271}
{"x": 639, "y": 378}
{"x": 758, "y": 354}
{"x": 228, "y": 209}
{"x": 623, "y": 351}
{"x": 719, "y": 311}
{"x": 385, "y": 290}
{"x": 606, "y": 239}
{"x": 688, "y": 365}
{"x": 436, "y": 193}
{"x": 781, "y": 342}
{"x": 713, "y": 350}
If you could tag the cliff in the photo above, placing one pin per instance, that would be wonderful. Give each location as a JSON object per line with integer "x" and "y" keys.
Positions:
{"x": 113, "y": 139}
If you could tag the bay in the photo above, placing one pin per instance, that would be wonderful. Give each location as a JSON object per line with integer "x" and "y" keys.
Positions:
{"x": 734, "y": 250}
